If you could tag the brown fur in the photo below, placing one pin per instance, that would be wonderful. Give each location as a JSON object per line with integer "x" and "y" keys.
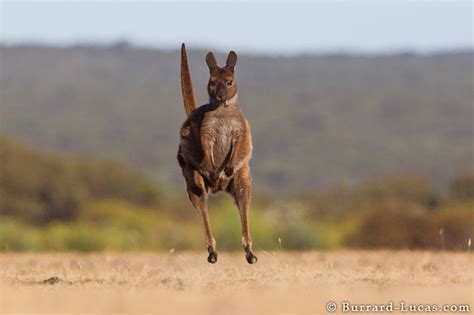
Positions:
{"x": 215, "y": 149}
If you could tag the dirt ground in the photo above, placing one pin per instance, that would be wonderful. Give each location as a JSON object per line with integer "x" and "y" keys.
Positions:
{"x": 280, "y": 283}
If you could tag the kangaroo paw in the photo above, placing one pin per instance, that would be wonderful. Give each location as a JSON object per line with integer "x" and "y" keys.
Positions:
{"x": 214, "y": 176}
{"x": 229, "y": 171}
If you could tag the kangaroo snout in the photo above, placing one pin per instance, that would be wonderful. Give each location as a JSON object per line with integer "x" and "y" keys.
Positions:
{"x": 221, "y": 94}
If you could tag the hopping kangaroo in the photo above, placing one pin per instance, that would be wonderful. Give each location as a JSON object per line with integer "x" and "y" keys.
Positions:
{"x": 216, "y": 146}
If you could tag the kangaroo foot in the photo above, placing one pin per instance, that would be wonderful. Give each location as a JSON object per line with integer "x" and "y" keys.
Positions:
{"x": 251, "y": 258}
{"x": 212, "y": 258}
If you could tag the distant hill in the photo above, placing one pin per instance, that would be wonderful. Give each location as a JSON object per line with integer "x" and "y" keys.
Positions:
{"x": 316, "y": 120}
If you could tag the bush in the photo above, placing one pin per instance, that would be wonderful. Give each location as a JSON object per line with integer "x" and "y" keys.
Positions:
{"x": 462, "y": 186}
{"x": 12, "y": 240}
{"x": 109, "y": 179}
{"x": 392, "y": 224}
{"x": 457, "y": 224}
{"x": 297, "y": 235}
{"x": 345, "y": 201}
{"x": 39, "y": 187}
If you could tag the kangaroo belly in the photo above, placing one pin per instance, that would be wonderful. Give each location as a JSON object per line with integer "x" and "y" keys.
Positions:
{"x": 221, "y": 132}
{"x": 222, "y": 144}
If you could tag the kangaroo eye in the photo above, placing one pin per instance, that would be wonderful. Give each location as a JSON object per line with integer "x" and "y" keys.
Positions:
{"x": 229, "y": 82}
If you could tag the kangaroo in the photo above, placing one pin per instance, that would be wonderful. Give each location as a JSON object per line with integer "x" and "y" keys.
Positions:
{"x": 215, "y": 147}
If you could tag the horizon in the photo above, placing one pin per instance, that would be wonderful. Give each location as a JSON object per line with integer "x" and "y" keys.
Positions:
{"x": 129, "y": 44}
{"x": 299, "y": 28}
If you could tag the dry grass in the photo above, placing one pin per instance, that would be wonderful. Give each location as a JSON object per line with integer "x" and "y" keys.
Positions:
{"x": 186, "y": 283}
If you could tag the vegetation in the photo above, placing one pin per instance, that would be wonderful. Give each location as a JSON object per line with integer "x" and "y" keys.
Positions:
{"x": 40, "y": 187}
{"x": 64, "y": 202}
{"x": 317, "y": 121}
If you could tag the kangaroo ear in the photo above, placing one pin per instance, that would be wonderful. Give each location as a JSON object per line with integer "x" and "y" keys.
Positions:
{"x": 231, "y": 60}
{"x": 211, "y": 61}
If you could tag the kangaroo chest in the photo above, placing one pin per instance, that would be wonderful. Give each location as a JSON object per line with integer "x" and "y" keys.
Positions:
{"x": 221, "y": 130}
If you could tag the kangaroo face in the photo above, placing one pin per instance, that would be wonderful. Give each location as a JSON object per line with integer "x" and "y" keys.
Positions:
{"x": 222, "y": 85}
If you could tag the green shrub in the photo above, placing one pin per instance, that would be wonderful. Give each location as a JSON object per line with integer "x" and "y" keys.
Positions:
{"x": 297, "y": 235}
{"x": 39, "y": 187}
{"x": 15, "y": 236}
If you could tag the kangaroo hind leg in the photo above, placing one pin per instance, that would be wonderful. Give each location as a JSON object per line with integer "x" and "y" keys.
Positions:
{"x": 241, "y": 189}
{"x": 197, "y": 192}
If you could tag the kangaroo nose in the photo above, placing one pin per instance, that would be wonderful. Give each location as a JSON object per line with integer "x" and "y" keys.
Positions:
{"x": 221, "y": 94}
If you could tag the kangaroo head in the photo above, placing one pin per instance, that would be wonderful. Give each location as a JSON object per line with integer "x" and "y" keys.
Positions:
{"x": 222, "y": 85}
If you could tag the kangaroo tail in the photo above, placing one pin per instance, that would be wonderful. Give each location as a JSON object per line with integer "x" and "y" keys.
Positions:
{"x": 186, "y": 84}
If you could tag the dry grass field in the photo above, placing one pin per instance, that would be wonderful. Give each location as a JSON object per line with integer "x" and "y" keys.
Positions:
{"x": 284, "y": 283}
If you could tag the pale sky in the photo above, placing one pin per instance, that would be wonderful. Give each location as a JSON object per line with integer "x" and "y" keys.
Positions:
{"x": 252, "y": 26}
